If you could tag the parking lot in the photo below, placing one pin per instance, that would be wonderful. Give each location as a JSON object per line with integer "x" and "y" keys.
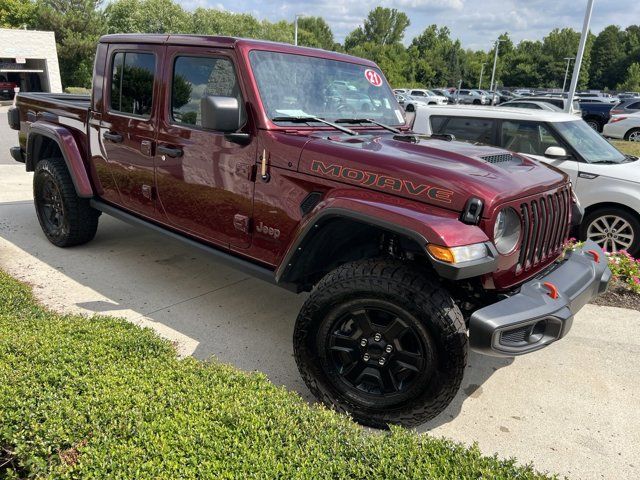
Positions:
{"x": 568, "y": 409}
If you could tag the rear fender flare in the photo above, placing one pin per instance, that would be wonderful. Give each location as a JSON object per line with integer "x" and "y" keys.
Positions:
{"x": 422, "y": 223}
{"x": 70, "y": 153}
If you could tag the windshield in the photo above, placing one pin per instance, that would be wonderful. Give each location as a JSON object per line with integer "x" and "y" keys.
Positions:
{"x": 588, "y": 143}
{"x": 302, "y": 86}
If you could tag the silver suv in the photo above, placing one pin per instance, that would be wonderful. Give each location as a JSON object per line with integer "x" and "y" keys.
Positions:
{"x": 471, "y": 97}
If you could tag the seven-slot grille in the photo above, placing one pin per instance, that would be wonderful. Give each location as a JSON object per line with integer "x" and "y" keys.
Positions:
{"x": 545, "y": 226}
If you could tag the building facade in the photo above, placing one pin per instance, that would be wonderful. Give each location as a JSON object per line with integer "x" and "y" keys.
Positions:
{"x": 28, "y": 60}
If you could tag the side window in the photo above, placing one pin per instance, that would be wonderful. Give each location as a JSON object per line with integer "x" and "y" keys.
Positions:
{"x": 195, "y": 78}
{"x": 437, "y": 124}
{"x": 418, "y": 93}
{"x": 132, "y": 83}
{"x": 479, "y": 130}
{"x": 634, "y": 106}
{"x": 526, "y": 137}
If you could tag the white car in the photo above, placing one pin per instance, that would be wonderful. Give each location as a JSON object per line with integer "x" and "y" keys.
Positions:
{"x": 606, "y": 182}
{"x": 430, "y": 97}
{"x": 625, "y": 127}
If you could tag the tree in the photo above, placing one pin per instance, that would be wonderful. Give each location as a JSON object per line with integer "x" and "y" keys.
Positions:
{"x": 608, "y": 57}
{"x": 17, "y": 13}
{"x": 383, "y": 26}
{"x": 315, "y": 32}
{"x": 632, "y": 83}
{"x": 147, "y": 16}
{"x": 77, "y": 25}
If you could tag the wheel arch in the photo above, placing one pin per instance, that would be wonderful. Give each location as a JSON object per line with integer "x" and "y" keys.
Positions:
{"x": 48, "y": 140}
{"x": 345, "y": 232}
{"x": 597, "y": 206}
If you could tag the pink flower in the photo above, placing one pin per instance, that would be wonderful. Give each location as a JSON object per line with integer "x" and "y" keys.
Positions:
{"x": 636, "y": 280}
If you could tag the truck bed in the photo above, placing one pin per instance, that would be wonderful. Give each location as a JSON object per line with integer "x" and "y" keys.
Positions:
{"x": 60, "y": 104}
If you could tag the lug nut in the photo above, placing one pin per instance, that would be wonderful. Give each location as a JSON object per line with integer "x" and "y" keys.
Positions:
{"x": 377, "y": 337}
{"x": 366, "y": 357}
{"x": 388, "y": 348}
{"x": 363, "y": 342}
{"x": 381, "y": 361}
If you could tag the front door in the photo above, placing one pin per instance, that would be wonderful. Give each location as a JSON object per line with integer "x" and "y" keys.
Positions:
{"x": 533, "y": 139}
{"x": 204, "y": 181}
{"x": 128, "y": 124}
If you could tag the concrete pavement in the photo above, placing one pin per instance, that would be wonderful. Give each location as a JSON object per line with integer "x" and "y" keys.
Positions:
{"x": 571, "y": 408}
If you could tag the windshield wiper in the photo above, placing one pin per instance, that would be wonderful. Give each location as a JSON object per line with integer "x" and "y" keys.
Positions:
{"x": 310, "y": 118}
{"x": 368, "y": 120}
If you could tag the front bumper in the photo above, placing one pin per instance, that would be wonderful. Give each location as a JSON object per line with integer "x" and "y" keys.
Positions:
{"x": 532, "y": 319}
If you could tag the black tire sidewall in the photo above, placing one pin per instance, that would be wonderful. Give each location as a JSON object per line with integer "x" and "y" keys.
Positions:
{"x": 628, "y": 134}
{"x": 449, "y": 338}
{"x": 634, "y": 250}
{"x": 49, "y": 170}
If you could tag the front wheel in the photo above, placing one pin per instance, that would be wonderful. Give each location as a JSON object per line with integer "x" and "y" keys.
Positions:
{"x": 594, "y": 124}
{"x": 382, "y": 342}
{"x": 65, "y": 218}
{"x": 613, "y": 229}
{"x": 633, "y": 135}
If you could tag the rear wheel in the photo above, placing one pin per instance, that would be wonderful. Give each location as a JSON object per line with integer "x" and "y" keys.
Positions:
{"x": 65, "y": 218}
{"x": 477, "y": 102}
{"x": 614, "y": 229}
{"x": 379, "y": 340}
{"x": 594, "y": 124}
{"x": 633, "y": 135}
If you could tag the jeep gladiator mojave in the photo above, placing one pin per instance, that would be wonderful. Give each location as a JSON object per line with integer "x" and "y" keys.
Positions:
{"x": 296, "y": 164}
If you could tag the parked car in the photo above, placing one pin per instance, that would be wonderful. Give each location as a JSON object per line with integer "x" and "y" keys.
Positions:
{"x": 626, "y": 107}
{"x": 401, "y": 91}
{"x": 409, "y": 103}
{"x": 505, "y": 96}
{"x": 413, "y": 249}
{"x": 597, "y": 97}
{"x": 492, "y": 98}
{"x": 470, "y": 97}
{"x": 531, "y": 105}
{"x": 443, "y": 92}
{"x": 6, "y": 88}
{"x": 624, "y": 127}
{"x": 596, "y": 114}
{"x": 606, "y": 181}
{"x": 558, "y": 102}
{"x": 430, "y": 97}
{"x": 629, "y": 95}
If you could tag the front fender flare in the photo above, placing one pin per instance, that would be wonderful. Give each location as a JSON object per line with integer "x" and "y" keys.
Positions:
{"x": 422, "y": 223}
{"x": 70, "y": 153}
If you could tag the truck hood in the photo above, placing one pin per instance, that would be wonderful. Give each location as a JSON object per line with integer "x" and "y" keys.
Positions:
{"x": 439, "y": 172}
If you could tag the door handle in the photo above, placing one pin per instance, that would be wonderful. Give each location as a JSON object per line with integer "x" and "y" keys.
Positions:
{"x": 171, "y": 152}
{"x": 113, "y": 137}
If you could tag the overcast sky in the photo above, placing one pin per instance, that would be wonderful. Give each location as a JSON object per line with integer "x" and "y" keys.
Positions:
{"x": 475, "y": 22}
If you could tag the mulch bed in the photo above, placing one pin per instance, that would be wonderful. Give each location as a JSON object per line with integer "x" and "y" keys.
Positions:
{"x": 620, "y": 296}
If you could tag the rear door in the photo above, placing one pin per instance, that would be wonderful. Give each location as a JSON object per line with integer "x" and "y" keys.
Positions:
{"x": 204, "y": 181}
{"x": 128, "y": 123}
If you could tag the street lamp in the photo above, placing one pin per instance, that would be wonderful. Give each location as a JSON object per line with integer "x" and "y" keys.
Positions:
{"x": 576, "y": 66}
{"x": 495, "y": 62}
{"x": 566, "y": 74}
{"x": 481, "y": 73}
{"x": 295, "y": 29}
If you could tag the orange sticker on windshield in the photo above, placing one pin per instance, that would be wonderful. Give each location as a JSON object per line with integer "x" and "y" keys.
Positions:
{"x": 373, "y": 77}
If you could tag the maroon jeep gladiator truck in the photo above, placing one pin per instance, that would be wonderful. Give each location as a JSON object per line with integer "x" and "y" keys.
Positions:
{"x": 298, "y": 166}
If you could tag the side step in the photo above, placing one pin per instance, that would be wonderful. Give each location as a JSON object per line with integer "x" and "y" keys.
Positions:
{"x": 238, "y": 263}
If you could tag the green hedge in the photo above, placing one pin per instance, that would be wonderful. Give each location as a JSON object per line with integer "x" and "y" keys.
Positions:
{"x": 102, "y": 398}
{"x": 78, "y": 90}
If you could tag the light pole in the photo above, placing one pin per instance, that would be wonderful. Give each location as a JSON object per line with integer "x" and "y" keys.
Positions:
{"x": 295, "y": 28}
{"x": 576, "y": 66}
{"x": 481, "y": 73}
{"x": 495, "y": 62}
{"x": 566, "y": 74}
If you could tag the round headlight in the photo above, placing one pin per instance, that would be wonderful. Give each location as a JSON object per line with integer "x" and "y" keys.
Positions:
{"x": 506, "y": 231}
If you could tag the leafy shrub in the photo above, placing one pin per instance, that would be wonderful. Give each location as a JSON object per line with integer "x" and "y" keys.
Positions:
{"x": 101, "y": 398}
{"x": 624, "y": 268}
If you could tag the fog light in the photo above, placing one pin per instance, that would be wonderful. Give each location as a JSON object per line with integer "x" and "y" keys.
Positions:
{"x": 466, "y": 253}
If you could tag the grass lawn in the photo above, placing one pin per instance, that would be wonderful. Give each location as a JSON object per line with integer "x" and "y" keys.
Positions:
{"x": 102, "y": 398}
{"x": 630, "y": 148}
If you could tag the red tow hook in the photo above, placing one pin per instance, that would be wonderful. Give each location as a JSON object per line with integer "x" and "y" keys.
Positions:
{"x": 553, "y": 290}
{"x": 596, "y": 255}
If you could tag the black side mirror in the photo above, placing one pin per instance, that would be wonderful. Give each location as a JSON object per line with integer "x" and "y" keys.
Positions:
{"x": 221, "y": 114}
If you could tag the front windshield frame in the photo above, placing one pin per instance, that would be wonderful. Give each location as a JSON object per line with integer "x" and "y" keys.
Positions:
{"x": 588, "y": 140}
{"x": 383, "y": 107}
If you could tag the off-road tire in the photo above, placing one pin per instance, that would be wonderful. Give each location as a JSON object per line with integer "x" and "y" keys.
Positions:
{"x": 76, "y": 222}
{"x": 431, "y": 310}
